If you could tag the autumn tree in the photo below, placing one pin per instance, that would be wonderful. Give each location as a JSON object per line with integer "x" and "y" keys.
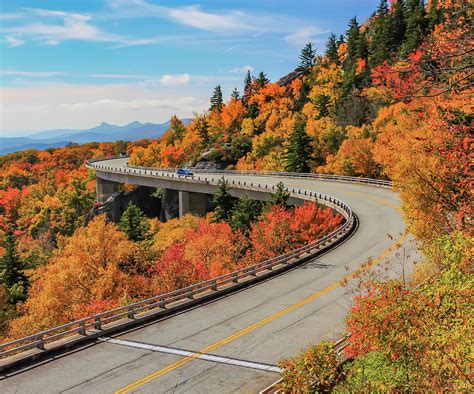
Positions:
{"x": 176, "y": 130}
{"x": 85, "y": 269}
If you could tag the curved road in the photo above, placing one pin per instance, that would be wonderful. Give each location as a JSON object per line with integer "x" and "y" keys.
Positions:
{"x": 261, "y": 324}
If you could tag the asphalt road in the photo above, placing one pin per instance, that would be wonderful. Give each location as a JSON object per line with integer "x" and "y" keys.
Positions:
{"x": 261, "y": 324}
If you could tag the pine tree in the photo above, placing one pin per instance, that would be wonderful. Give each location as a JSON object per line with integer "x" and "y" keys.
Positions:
{"x": 380, "y": 37}
{"x": 244, "y": 213}
{"x": 216, "y": 99}
{"x": 247, "y": 87}
{"x": 262, "y": 80}
{"x": 12, "y": 273}
{"x": 331, "y": 49}
{"x": 435, "y": 15}
{"x": 134, "y": 223}
{"x": 235, "y": 94}
{"x": 397, "y": 26}
{"x": 202, "y": 128}
{"x": 307, "y": 58}
{"x": 299, "y": 150}
{"x": 280, "y": 197}
{"x": 353, "y": 40}
{"x": 416, "y": 25}
{"x": 224, "y": 202}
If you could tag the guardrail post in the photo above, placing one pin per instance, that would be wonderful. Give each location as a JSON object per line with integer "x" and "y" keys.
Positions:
{"x": 82, "y": 329}
{"x": 235, "y": 278}
{"x": 191, "y": 295}
{"x": 39, "y": 339}
{"x": 253, "y": 272}
{"x": 214, "y": 286}
{"x": 97, "y": 323}
{"x": 131, "y": 313}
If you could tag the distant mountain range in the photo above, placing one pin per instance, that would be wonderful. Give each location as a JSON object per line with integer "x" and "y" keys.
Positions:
{"x": 103, "y": 133}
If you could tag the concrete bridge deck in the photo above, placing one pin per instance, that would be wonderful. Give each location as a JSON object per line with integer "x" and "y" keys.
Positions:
{"x": 261, "y": 324}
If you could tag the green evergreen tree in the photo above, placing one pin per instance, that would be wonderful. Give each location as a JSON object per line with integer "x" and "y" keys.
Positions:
{"x": 280, "y": 197}
{"x": 262, "y": 80}
{"x": 247, "y": 87}
{"x": 307, "y": 58}
{"x": 216, "y": 99}
{"x": 416, "y": 25}
{"x": 244, "y": 213}
{"x": 12, "y": 269}
{"x": 435, "y": 15}
{"x": 331, "y": 49}
{"x": 397, "y": 26}
{"x": 252, "y": 111}
{"x": 134, "y": 223}
{"x": 224, "y": 202}
{"x": 299, "y": 150}
{"x": 353, "y": 40}
{"x": 380, "y": 35}
{"x": 340, "y": 40}
{"x": 235, "y": 94}
{"x": 202, "y": 128}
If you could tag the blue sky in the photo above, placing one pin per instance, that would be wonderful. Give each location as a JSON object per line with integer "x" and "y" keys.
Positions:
{"x": 74, "y": 64}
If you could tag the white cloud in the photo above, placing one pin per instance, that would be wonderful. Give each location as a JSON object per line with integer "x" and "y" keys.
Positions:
{"x": 304, "y": 35}
{"x": 33, "y": 74}
{"x": 192, "y": 15}
{"x": 176, "y": 79}
{"x": 243, "y": 69}
{"x": 13, "y": 41}
{"x": 53, "y": 27}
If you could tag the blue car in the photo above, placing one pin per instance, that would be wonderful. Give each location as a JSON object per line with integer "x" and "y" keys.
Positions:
{"x": 184, "y": 171}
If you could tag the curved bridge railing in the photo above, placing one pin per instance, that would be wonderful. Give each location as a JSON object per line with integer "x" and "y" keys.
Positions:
{"x": 323, "y": 177}
{"x": 91, "y": 327}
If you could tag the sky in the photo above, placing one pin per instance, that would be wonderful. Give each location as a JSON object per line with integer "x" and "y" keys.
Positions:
{"x": 75, "y": 64}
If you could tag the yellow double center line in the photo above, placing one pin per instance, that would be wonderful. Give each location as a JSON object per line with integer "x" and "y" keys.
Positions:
{"x": 260, "y": 323}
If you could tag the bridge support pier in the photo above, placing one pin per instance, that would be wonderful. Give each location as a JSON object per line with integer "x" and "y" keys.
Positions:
{"x": 192, "y": 203}
{"x": 105, "y": 189}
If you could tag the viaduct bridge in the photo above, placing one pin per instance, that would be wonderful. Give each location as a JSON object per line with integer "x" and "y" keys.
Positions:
{"x": 226, "y": 334}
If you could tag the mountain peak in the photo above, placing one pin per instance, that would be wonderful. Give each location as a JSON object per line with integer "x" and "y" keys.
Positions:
{"x": 136, "y": 123}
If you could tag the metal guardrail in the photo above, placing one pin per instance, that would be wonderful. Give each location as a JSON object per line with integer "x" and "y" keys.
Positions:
{"x": 93, "y": 326}
{"x": 323, "y": 177}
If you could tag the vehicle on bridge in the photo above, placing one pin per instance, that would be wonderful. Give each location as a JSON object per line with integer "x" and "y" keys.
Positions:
{"x": 184, "y": 171}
